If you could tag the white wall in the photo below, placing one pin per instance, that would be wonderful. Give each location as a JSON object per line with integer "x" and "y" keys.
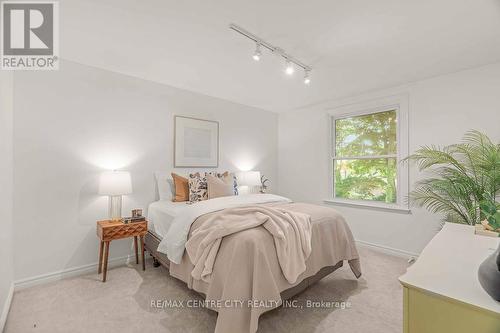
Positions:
{"x": 6, "y": 192}
{"x": 442, "y": 109}
{"x": 74, "y": 123}
{"x": 71, "y": 124}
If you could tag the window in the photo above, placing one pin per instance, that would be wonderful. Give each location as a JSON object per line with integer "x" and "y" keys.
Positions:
{"x": 367, "y": 147}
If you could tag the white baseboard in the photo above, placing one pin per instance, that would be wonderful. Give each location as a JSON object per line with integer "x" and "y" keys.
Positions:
{"x": 6, "y": 307}
{"x": 389, "y": 250}
{"x": 69, "y": 272}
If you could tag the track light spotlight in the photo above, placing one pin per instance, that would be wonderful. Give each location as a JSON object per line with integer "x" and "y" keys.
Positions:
{"x": 258, "y": 53}
{"x": 307, "y": 77}
{"x": 291, "y": 64}
{"x": 289, "y": 67}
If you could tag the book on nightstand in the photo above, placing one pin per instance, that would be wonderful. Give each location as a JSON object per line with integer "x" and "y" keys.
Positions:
{"x": 131, "y": 219}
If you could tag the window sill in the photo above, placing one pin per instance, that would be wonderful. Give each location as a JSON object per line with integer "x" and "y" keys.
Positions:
{"x": 369, "y": 205}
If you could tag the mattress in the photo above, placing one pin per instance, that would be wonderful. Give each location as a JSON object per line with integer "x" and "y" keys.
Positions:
{"x": 162, "y": 213}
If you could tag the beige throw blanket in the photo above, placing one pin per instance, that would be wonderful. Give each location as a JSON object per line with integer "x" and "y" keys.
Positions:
{"x": 247, "y": 267}
{"x": 291, "y": 232}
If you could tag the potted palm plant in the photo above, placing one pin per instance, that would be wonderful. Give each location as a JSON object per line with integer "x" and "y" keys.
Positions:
{"x": 463, "y": 185}
{"x": 463, "y": 181}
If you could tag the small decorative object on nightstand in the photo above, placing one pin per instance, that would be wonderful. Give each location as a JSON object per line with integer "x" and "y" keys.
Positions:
{"x": 109, "y": 230}
{"x": 136, "y": 212}
{"x": 136, "y": 217}
{"x": 263, "y": 181}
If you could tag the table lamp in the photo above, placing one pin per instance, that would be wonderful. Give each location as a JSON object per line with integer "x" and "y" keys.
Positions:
{"x": 115, "y": 184}
{"x": 248, "y": 178}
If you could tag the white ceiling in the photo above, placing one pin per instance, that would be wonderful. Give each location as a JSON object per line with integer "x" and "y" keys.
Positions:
{"x": 353, "y": 45}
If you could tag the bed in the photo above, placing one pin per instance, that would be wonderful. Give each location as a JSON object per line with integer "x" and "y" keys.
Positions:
{"x": 245, "y": 279}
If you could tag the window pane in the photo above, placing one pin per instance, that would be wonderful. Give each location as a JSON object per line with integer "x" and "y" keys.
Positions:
{"x": 367, "y": 135}
{"x": 366, "y": 179}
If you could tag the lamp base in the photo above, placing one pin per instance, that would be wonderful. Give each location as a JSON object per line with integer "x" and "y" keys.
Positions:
{"x": 115, "y": 207}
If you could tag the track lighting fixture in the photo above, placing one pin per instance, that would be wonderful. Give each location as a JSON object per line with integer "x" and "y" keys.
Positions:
{"x": 307, "y": 77}
{"x": 289, "y": 67}
{"x": 291, "y": 62}
{"x": 258, "y": 53}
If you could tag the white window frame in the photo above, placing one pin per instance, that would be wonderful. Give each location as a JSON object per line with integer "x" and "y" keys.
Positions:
{"x": 400, "y": 103}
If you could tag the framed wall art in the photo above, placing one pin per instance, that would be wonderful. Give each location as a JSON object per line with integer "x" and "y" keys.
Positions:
{"x": 196, "y": 143}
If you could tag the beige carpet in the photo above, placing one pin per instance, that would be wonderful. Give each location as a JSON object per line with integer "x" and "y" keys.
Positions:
{"x": 123, "y": 304}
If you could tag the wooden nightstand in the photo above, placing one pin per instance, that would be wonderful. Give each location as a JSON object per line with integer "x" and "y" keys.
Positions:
{"x": 108, "y": 231}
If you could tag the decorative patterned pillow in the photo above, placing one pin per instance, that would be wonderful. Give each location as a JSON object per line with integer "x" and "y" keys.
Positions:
{"x": 198, "y": 187}
{"x": 235, "y": 184}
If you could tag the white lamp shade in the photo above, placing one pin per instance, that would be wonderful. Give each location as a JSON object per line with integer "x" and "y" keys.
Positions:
{"x": 248, "y": 178}
{"x": 115, "y": 183}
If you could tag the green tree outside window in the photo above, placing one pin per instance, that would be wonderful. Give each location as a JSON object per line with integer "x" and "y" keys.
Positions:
{"x": 365, "y": 162}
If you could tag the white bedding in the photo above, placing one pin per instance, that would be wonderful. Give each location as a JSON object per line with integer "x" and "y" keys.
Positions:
{"x": 162, "y": 213}
{"x": 177, "y": 228}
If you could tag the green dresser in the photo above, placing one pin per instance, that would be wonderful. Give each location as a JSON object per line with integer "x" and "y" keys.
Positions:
{"x": 441, "y": 291}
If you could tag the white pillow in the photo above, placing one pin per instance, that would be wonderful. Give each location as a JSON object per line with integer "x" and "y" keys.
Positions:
{"x": 164, "y": 185}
